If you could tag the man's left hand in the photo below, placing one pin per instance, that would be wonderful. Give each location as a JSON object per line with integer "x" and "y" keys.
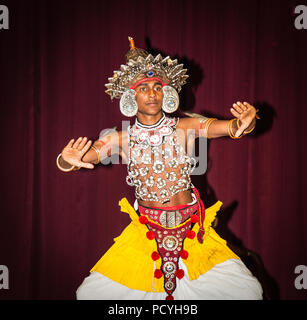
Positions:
{"x": 246, "y": 113}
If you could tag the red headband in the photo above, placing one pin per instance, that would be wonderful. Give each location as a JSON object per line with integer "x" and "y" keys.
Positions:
{"x": 147, "y": 79}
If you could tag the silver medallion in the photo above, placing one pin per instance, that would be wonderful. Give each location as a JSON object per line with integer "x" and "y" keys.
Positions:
{"x": 128, "y": 105}
{"x": 169, "y": 267}
{"x": 170, "y": 243}
{"x": 170, "y": 100}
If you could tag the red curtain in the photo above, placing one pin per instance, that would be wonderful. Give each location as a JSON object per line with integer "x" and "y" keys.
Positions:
{"x": 56, "y": 57}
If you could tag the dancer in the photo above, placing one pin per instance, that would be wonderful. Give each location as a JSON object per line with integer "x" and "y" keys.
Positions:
{"x": 169, "y": 250}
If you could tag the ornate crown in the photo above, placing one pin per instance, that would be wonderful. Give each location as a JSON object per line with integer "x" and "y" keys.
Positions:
{"x": 139, "y": 65}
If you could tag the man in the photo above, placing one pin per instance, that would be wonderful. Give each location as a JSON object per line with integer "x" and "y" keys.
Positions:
{"x": 170, "y": 249}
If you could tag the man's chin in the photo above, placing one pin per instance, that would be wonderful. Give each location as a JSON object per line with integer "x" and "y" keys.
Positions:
{"x": 151, "y": 112}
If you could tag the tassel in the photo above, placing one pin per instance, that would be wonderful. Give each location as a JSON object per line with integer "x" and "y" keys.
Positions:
{"x": 201, "y": 232}
{"x": 150, "y": 235}
{"x": 143, "y": 219}
{"x": 158, "y": 273}
{"x": 200, "y": 235}
{"x": 155, "y": 256}
{"x": 190, "y": 234}
{"x": 179, "y": 273}
{"x": 184, "y": 254}
{"x": 194, "y": 218}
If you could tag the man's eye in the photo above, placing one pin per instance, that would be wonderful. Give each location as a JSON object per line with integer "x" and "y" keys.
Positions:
{"x": 158, "y": 88}
{"x": 143, "y": 89}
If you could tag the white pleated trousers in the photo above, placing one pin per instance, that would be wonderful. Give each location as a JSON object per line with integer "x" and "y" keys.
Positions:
{"x": 230, "y": 280}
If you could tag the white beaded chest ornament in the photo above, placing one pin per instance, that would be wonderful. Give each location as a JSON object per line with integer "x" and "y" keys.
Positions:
{"x": 158, "y": 166}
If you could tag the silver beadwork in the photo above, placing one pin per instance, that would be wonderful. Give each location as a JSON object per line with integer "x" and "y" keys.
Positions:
{"x": 148, "y": 168}
{"x": 171, "y": 176}
{"x": 161, "y": 183}
{"x": 158, "y": 166}
{"x": 143, "y": 171}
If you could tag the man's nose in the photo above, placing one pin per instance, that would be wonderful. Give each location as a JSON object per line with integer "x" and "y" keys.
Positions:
{"x": 152, "y": 92}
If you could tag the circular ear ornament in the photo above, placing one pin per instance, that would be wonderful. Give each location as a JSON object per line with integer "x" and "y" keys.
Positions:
{"x": 170, "y": 100}
{"x": 127, "y": 104}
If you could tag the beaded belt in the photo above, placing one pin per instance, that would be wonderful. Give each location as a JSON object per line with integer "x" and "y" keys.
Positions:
{"x": 168, "y": 218}
{"x": 169, "y": 227}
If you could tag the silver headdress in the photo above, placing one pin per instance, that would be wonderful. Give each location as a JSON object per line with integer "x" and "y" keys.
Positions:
{"x": 140, "y": 65}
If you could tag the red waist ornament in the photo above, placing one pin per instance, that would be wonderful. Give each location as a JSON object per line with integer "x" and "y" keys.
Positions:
{"x": 163, "y": 228}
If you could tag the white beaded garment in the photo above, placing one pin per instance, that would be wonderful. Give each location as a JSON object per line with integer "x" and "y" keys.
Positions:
{"x": 158, "y": 165}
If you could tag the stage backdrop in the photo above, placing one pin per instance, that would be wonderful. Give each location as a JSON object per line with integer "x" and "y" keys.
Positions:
{"x": 56, "y": 57}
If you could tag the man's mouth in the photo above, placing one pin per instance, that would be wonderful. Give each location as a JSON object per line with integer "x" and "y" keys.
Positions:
{"x": 151, "y": 103}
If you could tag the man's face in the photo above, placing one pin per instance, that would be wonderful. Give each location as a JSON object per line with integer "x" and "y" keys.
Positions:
{"x": 149, "y": 97}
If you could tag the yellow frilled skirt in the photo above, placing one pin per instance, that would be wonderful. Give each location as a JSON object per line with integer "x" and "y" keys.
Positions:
{"x": 129, "y": 261}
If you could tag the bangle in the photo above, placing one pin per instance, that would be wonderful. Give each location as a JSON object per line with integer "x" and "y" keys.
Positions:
{"x": 95, "y": 149}
{"x": 61, "y": 168}
{"x": 238, "y": 124}
{"x": 257, "y": 117}
{"x": 230, "y": 132}
{"x": 228, "y": 128}
{"x": 250, "y": 130}
{"x": 207, "y": 125}
{"x": 246, "y": 132}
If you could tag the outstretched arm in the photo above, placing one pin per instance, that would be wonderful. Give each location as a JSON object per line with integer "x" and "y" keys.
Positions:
{"x": 83, "y": 154}
{"x": 243, "y": 123}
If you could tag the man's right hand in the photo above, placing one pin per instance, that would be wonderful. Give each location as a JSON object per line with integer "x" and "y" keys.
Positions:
{"x": 75, "y": 150}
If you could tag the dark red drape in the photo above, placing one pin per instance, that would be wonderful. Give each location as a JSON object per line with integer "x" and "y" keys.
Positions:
{"x": 56, "y": 58}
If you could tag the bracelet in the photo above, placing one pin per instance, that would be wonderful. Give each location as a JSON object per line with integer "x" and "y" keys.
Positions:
{"x": 207, "y": 125}
{"x": 257, "y": 118}
{"x": 246, "y": 132}
{"x": 230, "y": 132}
{"x": 62, "y": 169}
{"x": 250, "y": 130}
{"x": 228, "y": 128}
{"x": 238, "y": 124}
{"x": 95, "y": 149}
